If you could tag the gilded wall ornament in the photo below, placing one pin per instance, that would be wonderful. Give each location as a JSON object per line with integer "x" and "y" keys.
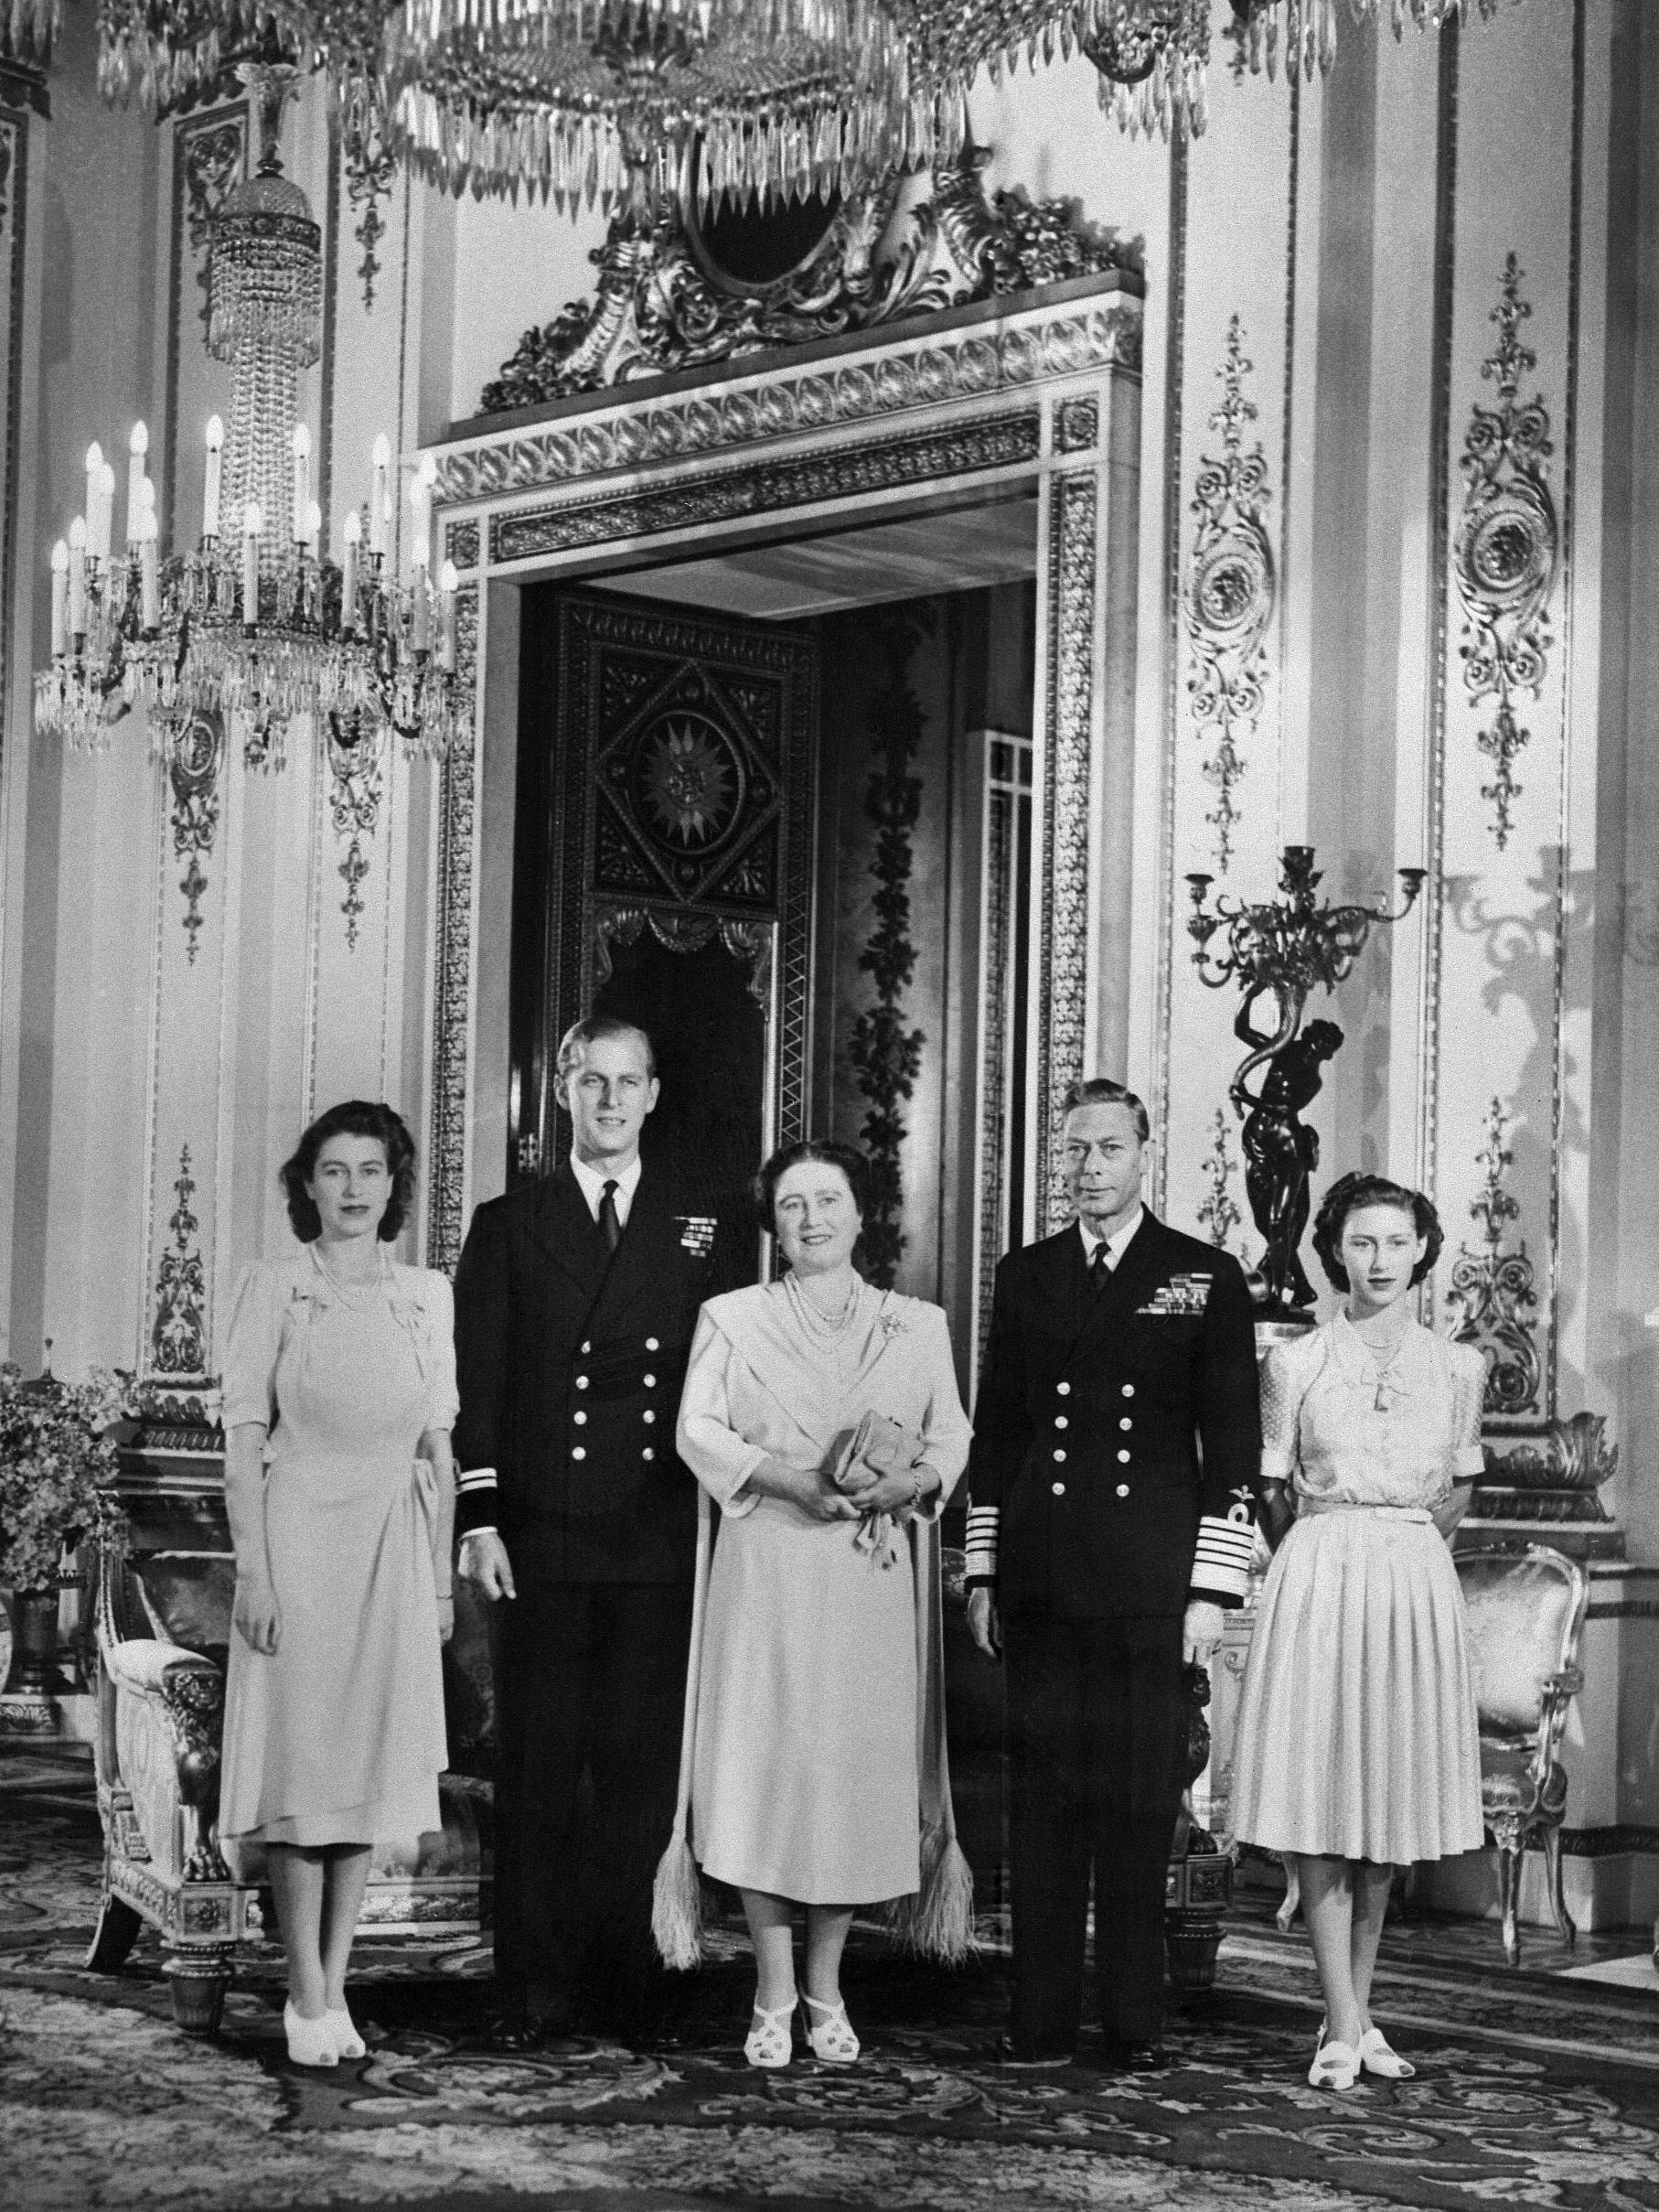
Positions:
{"x": 210, "y": 155}
{"x": 1506, "y": 551}
{"x": 1218, "y": 1213}
{"x": 194, "y": 755}
{"x": 886, "y": 1056}
{"x": 1493, "y": 1289}
{"x": 976, "y": 363}
{"x": 452, "y": 996}
{"x": 1063, "y": 945}
{"x": 806, "y": 480}
{"x": 1231, "y": 594}
{"x": 178, "y": 1336}
{"x": 369, "y": 172}
{"x": 356, "y": 786}
{"x": 661, "y": 304}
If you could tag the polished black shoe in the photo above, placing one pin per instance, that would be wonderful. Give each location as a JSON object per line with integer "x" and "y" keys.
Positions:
{"x": 1005, "y": 2051}
{"x": 1137, "y": 2058}
{"x": 526, "y": 2032}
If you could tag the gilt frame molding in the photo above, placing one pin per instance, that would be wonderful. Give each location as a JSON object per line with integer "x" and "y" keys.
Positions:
{"x": 949, "y": 410}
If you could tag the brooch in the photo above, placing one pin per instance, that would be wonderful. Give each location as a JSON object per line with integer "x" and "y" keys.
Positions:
{"x": 894, "y": 1323}
{"x": 1183, "y": 1294}
{"x": 697, "y": 1234}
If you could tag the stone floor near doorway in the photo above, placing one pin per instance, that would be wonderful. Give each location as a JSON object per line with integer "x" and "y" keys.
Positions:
{"x": 1536, "y": 2088}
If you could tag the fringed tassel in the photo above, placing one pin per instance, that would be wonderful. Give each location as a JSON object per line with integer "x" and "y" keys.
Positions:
{"x": 937, "y": 1921}
{"x": 677, "y": 1907}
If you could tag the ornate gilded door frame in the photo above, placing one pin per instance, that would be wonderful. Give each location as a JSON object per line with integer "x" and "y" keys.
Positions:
{"x": 1035, "y": 390}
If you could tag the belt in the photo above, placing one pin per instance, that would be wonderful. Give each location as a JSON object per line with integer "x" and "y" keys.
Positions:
{"x": 1305, "y": 1506}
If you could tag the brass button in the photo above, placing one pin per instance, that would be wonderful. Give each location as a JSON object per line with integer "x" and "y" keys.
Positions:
{"x": 1064, "y": 1388}
{"x": 1123, "y": 1490}
{"x": 578, "y": 1417}
{"x": 579, "y": 1452}
{"x": 652, "y": 1345}
{"x": 1059, "y": 1455}
{"x": 1061, "y": 1422}
{"x": 648, "y": 1452}
{"x": 587, "y": 1347}
{"x": 649, "y": 1382}
{"x": 648, "y": 1414}
{"x": 1059, "y": 1489}
{"x": 1124, "y": 1457}
{"x": 582, "y": 1382}
{"x": 1126, "y": 1422}
{"x": 1128, "y": 1390}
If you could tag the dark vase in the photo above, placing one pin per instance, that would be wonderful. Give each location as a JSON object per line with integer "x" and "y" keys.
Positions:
{"x": 34, "y": 1643}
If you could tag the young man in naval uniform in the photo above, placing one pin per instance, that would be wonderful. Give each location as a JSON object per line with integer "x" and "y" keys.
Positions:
{"x": 1113, "y": 1478}
{"x": 576, "y": 1300}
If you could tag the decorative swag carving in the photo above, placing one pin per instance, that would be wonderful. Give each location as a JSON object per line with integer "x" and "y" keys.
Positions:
{"x": 660, "y": 303}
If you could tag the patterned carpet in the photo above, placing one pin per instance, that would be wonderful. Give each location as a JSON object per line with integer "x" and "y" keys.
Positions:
{"x": 1534, "y": 2089}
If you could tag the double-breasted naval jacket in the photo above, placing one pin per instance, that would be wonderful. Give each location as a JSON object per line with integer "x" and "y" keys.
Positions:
{"x": 570, "y": 1359}
{"x": 1118, "y": 1430}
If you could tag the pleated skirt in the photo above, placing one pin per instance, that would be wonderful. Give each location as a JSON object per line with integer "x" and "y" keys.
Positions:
{"x": 1356, "y": 1735}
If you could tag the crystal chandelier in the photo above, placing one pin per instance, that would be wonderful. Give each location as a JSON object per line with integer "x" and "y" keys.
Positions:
{"x": 254, "y": 626}
{"x": 603, "y": 99}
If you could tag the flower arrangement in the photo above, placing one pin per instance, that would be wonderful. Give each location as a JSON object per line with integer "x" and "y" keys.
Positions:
{"x": 58, "y": 1447}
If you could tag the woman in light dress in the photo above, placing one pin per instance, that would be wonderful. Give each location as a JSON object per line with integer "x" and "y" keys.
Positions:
{"x": 339, "y": 1371}
{"x": 818, "y": 1643}
{"x": 1356, "y": 1749}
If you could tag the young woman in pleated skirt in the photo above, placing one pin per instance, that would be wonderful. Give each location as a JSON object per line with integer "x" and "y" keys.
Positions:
{"x": 1356, "y": 1749}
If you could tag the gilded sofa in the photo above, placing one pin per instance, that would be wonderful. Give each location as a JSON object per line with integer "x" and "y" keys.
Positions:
{"x": 164, "y": 1592}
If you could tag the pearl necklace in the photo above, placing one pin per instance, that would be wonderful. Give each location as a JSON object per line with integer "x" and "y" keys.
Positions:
{"x": 353, "y": 1294}
{"x": 818, "y": 1322}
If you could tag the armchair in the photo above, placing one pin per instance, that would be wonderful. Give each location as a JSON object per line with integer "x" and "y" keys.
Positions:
{"x": 165, "y": 1591}
{"x": 1525, "y": 1617}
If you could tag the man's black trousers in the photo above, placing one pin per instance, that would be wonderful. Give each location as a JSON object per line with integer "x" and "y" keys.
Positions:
{"x": 1097, "y": 1738}
{"x": 589, "y": 1691}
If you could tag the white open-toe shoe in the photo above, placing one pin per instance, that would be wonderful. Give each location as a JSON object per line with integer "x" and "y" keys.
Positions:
{"x": 348, "y": 2040}
{"x": 1379, "y": 2057}
{"x": 831, "y": 2038}
{"x": 768, "y": 2042}
{"x": 1336, "y": 2066}
{"x": 310, "y": 2042}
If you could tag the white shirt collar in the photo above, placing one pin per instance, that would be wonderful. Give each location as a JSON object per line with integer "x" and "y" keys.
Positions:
{"x": 1116, "y": 1242}
{"x": 592, "y": 1180}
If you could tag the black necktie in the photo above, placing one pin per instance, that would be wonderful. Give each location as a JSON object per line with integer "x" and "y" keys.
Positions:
{"x": 608, "y": 1217}
{"x": 1100, "y": 1265}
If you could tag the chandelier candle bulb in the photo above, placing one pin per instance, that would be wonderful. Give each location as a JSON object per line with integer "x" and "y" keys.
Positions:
{"x": 423, "y": 609}
{"x": 106, "y": 512}
{"x": 349, "y": 574}
{"x": 149, "y": 566}
{"x": 302, "y": 480}
{"x": 78, "y": 578}
{"x": 94, "y": 493}
{"x": 448, "y": 582}
{"x": 60, "y": 599}
{"x": 138, "y": 444}
{"x": 313, "y": 527}
{"x": 380, "y": 504}
{"x": 419, "y": 516}
{"x": 211, "y": 487}
{"x": 252, "y": 521}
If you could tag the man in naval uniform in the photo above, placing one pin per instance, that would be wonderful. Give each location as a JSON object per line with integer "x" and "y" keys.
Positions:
{"x": 576, "y": 1300}
{"x": 1113, "y": 1478}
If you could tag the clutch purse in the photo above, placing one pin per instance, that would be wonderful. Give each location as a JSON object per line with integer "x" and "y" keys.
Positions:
{"x": 877, "y": 1447}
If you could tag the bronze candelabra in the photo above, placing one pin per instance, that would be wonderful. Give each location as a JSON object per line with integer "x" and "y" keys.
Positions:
{"x": 1283, "y": 948}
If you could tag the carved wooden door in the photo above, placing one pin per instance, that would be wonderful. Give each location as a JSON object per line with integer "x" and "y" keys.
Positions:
{"x": 664, "y": 868}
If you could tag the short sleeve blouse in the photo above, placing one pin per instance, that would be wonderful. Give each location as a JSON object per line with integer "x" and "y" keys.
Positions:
{"x": 1345, "y": 1430}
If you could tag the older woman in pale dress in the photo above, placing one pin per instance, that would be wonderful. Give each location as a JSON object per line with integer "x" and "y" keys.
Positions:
{"x": 1356, "y": 1750}
{"x": 339, "y": 1394}
{"x": 806, "y": 1787}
